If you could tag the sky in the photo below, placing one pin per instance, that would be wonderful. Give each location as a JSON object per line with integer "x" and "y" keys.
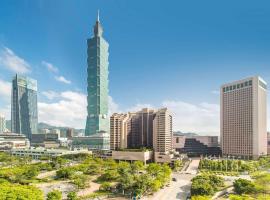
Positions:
{"x": 173, "y": 54}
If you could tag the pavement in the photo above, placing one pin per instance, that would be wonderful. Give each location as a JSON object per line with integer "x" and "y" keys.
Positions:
{"x": 180, "y": 188}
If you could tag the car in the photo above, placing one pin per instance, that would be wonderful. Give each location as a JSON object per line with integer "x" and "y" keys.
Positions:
{"x": 174, "y": 179}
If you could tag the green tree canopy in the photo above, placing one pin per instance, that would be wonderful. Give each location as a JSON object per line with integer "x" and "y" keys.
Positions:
{"x": 54, "y": 195}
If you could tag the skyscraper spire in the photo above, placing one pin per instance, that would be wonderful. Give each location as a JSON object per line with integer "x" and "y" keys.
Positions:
{"x": 98, "y": 15}
{"x": 98, "y": 28}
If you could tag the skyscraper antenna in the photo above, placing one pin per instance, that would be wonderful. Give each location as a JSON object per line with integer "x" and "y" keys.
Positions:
{"x": 98, "y": 15}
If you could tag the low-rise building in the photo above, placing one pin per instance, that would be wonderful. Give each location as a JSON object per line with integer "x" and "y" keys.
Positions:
{"x": 48, "y": 140}
{"x": 37, "y": 153}
{"x": 99, "y": 141}
{"x": 133, "y": 155}
{"x": 10, "y": 141}
{"x": 197, "y": 145}
{"x": 70, "y": 133}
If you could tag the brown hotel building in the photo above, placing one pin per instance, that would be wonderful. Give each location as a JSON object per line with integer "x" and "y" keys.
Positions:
{"x": 132, "y": 130}
{"x": 243, "y": 118}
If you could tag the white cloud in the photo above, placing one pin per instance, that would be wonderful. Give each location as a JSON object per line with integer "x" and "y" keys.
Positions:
{"x": 50, "y": 67}
{"x": 113, "y": 106}
{"x": 62, "y": 79}
{"x": 13, "y": 62}
{"x": 69, "y": 111}
{"x": 202, "y": 118}
{"x": 5, "y": 90}
{"x": 50, "y": 94}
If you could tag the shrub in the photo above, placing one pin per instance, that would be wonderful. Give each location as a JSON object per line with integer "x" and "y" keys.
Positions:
{"x": 243, "y": 186}
{"x": 54, "y": 195}
{"x": 106, "y": 186}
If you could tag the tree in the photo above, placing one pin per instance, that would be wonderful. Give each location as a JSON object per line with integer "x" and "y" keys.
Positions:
{"x": 216, "y": 181}
{"x": 263, "y": 182}
{"x": 177, "y": 165}
{"x": 201, "y": 187}
{"x": 64, "y": 173}
{"x": 206, "y": 184}
{"x": 243, "y": 186}
{"x": 54, "y": 195}
{"x": 137, "y": 166}
{"x": 109, "y": 175}
{"x": 106, "y": 186}
{"x": 80, "y": 180}
{"x": 155, "y": 185}
{"x": 20, "y": 192}
{"x": 72, "y": 196}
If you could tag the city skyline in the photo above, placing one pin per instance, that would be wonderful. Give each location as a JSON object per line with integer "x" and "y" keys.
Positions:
{"x": 156, "y": 78}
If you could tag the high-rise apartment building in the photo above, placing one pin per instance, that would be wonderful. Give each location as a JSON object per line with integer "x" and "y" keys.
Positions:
{"x": 24, "y": 112}
{"x": 244, "y": 118}
{"x": 2, "y": 124}
{"x": 97, "y": 99}
{"x": 162, "y": 131}
{"x": 132, "y": 130}
{"x": 119, "y": 131}
{"x": 145, "y": 127}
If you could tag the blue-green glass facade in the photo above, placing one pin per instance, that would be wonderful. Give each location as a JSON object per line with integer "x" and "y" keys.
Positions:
{"x": 24, "y": 113}
{"x": 97, "y": 71}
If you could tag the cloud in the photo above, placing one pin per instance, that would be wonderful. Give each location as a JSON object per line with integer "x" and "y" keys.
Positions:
{"x": 113, "y": 106}
{"x": 13, "y": 62}
{"x": 50, "y": 94}
{"x": 50, "y": 67}
{"x": 62, "y": 79}
{"x": 69, "y": 111}
{"x": 5, "y": 90}
{"x": 202, "y": 118}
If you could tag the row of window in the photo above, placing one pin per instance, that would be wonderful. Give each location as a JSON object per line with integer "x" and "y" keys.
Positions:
{"x": 237, "y": 86}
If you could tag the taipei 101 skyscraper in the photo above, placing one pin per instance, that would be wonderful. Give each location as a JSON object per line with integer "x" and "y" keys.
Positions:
{"x": 97, "y": 72}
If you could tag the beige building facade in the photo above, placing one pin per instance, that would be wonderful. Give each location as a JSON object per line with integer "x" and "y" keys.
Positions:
{"x": 132, "y": 130}
{"x": 162, "y": 131}
{"x": 118, "y": 131}
{"x": 243, "y": 118}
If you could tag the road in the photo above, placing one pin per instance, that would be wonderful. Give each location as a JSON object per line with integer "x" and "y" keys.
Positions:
{"x": 178, "y": 189}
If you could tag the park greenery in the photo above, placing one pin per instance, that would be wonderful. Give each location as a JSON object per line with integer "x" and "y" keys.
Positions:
{"x": 119, "y": 178}
{"x": 258, "y": 188}
{"x": 206, "y": 185}
{"x": 228, "y": 165}
{"x": 19, "y": 177}
{"x": 132, "y": 179}
{"x": 20, "y": 192}
{"x": 54, "y": 195}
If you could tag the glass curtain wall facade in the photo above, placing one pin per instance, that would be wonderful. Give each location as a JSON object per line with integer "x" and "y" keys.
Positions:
{"x": 97, "y": 99}
{"x": 24, "y": 113}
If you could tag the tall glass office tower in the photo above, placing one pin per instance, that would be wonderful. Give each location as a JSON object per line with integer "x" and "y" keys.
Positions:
{"x": 24, "y": 114}
{"x": 97, "y": 109}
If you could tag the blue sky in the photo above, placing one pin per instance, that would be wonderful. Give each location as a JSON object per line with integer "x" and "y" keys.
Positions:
{"x": 162, "y": 53}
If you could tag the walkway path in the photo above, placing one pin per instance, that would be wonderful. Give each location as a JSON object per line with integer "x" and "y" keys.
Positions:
{"x": 180, "y": 188}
